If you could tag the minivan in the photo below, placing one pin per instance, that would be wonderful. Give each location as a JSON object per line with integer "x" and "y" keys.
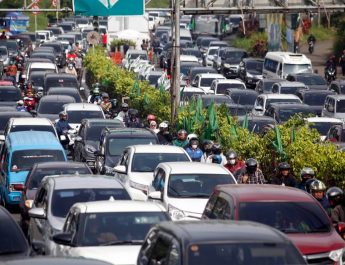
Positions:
{"x": 20, "y": 151}
{"x": 59, "y": 80}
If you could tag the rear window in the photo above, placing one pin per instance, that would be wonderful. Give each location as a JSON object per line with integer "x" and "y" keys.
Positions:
{"x": 94, "y": 132}
{"x": 60, "y": 82}
{"x": 117, "y": 145}
{"x": 243, "y": 98}
{"x": 41, "y": 128}
{"x": 77, "y": 116}
{"x": 9, "y": 94}
{"x": 49, "y": 107}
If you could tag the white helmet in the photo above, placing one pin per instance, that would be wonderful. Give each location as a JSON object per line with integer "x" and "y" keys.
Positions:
{"x": 192, "y": 136}
{"x": 163, "y": 125}
{"x": 20, "y": 102}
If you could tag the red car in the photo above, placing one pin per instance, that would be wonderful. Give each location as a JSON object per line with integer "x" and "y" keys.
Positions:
{"x": 292, "y": 211}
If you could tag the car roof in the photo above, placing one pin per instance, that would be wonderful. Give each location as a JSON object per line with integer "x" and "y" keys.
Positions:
{"x": 213, "y": 96}
{"x": 131, "y": 131}
{"x": 242, "y": 91}
{"x": 208, "y": 75}
{"x": 254, "y": 118}
{"x": 156, "y": 148}
{"x": 316, "y": 91}
{"x": 73, "y": 181}
{"x": 229, "y": 81}
{"x": 102, "y": 121}
{"x": 291, "y": 84}
{"x": 82, "y": 107}
{"x": 15, "y": 113}
{"x": 279, "y": 96}
{"x": 55, "y": 261}
{"x": 8, "y": 87}
{"x": 68, "y": 90}
{"x": 55, "y": 98}
{"x": 220, "y": 231}
{"x": 285, "y": 105}
{"x": 324, "y": 119}
{"x": 42, "y": 65}
{"x": 60, "y": 164}
{"x": 118, "y": 206}
{"x": 190, "y": 168}
{"x": 33, "y": 139}
{"x": 31, "y": 121}
{"x": 337, "y": 97}
{"x": 257, "y": 193}
{"x": 60, "y": 75}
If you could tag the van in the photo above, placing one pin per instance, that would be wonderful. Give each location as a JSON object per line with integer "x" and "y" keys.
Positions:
{"x": 281, "y": 64}
{"x": 59, "y": 80}
{"x": 334, "y": 107}
{"x": 20, "y": 152}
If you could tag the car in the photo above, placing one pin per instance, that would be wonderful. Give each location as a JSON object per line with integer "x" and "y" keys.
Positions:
{"x": 209, "y": 56}
{"x": 9, "y": 95}
{"x": 186, "y": 93}
{"x": 219, "y": 86}
{"x": 337, "y": 86}
{"x": 56, "y": 195}
{"x": 231, "y": 60}
{"x": 292, "y": 211}
{"x": 37, "y": 80}
{"x": 50, "y": 56}
{"x": 217, "y": 59}
{"x": 189, "y": 59}
{"x": 51, "y": 105}
{"x": 185, "y": 68}
{"x": 184, "y": 188}
{"x": 132, "y": 55}
{"x": 152, "y": 77}
{"x": 236, "y": 110}
{"x": 66, "y": 37}
{"x": 61, "y": 58}
{"x": 334, "y": 107}
{"x": 311, "y": 80}
{"x": 256, "y": 124}
{"x": 205, "y": 42}
{"x": 217, "y": 99}
{"x": 67, "y": 91}
{"x": 60, "y": 80}
{"x": 55, "y": 261}
{"x": 198, "y": 70}
{"x": 107, "y": 230}
{"x": 192, "y": 51}
{"x": 6, "y": 116}
{"x": 218, "y": 43}
{"x": 282, "y": 112}
{"x": 14, "y": 244}
{"x": 4, "y": 56}
{"x": 265, "y": 85}
{"x": 323, "y": 124}
{"x": 47, "y": 67}
{"x": 264, "y": 100}
{"x": 114, "y": 141}
{"x": 287, "y": 87}
{"x": 221, "y": 242}
{"x": 138, "y": 162}
{"x": 204, "y": 81}
{"x": 250, "y": 71}
{"x": 86, "y": 143}
{"x": 56, "y": 30}
{"x": 12, "y": 47}
{"x": 78, "y": 111}
{"x": 314, "y": 98}
{"x": 37, "y": 172}
{"x": 20, "y": 151}
{"x": 245, "y": 97}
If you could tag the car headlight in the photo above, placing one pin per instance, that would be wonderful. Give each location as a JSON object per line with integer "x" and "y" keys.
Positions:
{"x": 175, "y": 214}
{"x": 90, "y": 149}
{"x": 138, "y": 186}
{"x": 226, "y": 65}
{"x": 336, "y": 255}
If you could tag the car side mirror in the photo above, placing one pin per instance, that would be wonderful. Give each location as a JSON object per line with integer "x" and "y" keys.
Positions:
{"x": 120, "y": 169}
{"x": 63, "y": 239}
{"x": 155, "y": 195}
{"x": 38, "y": 213}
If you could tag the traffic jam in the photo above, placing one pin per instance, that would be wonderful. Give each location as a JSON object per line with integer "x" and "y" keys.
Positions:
{"x": 87, "y": 179}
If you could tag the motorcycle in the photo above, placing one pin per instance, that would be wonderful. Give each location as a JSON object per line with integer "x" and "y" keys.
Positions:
{"x": 330, "y": 74}
{"x": 311, "y": 47}
{"x": 67, "y": 141}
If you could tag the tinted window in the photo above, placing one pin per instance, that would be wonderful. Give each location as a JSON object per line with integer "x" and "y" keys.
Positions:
{"x": 9, "y": 94}
{"x": 48, "y": 107}
{"x": 314, "y": 99}
{"x": 206, "y": 81}
{"x": 221, "y": 88}
{"x": 285, "y": 114}
{"x": 243, "y": 254}
{"x": 297, "y": 68}
{"x": 61, "y": 82}
{"x": 23, "y": 160}
{"x": 271, "y": 65}
{"x": 289, "y": 90}
{"x": 71, "y": 92}
{"x": 147, "y": 162}
{"x": 268, "y": 85}
{"x": 94, "y": 133}
{"x": 136, "y": 55}
{"x": 153, "y": 79}
{"x": 218, "y": 100}
{"x": 44, "y": 128}
{"x": 37, "y": 80}
{"x": 11, "y": 45}
{"x": 116, "y": 145}
{"x": 56, "y": 47}
{"x": 273, "y": 100}
{"x": 186, "y": 67}
{"x": 77, "y": 116}
{"x": 195, "y": 185}
{"x": 257, "y": 125}
{"x": 187, "y": 95}
{"x": 235, "y": 57}
{"x": 237, "y": 111}
{"x": 321, "y": 127}
{"x": 244, "y": 98}
{"x": 3, "y": 51}
{"x": 289, "y": 217}
{"x": 340, "y": 105}
{"x": 196, "y": 53}
{"x": 312, "y": 80}
{"x": 254, "y": 66}
{"x": 63, "y": 199}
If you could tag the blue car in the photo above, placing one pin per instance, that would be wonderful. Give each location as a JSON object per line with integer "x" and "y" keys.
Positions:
{"x": 20, "y": 151}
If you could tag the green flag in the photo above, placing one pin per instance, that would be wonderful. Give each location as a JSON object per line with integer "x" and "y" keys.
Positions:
{"x": 245, "y": 122}
{"x": 293, "y": 135}
{"x": 278, "y": 141}
{"x": 161, "y": 89}
{"x": 136, "y": 88}
{"x": 198, "y": 111}
{"x": 105, "y": 82}
{"x": 212, "y": 118}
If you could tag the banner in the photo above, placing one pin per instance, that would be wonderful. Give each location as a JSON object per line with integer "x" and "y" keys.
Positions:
{"x": 108, "y": 7}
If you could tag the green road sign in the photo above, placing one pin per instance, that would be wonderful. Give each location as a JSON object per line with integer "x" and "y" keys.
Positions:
{"x": 108, "y": 7}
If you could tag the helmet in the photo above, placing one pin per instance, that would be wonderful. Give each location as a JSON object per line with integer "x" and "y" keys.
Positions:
{"x": 105, "y": 95}
{"x": 133, "y": 112}
{"x": 335, "y": 196}
{"x": 62, "y": 113}
{"x": 307, "y": 171}
{"x": 231, "y": 154}
{"x": 20, "y": 102}
{"x": 307, "y": 185}
{"x": 151, "y": 117}
{"x": 216, "y": 149}
{"x": 284, "y": 166}
{"x": 251, "y": 165}
{"x": 317, "y": 185}
{"x": 163, "y": 125}
{"x": 192, "y": 136}
{"x": 124, "y": 105}
{"x": 96, "y": 91}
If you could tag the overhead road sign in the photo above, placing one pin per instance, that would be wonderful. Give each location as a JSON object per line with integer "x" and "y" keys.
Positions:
{"x": 108, "y": 7}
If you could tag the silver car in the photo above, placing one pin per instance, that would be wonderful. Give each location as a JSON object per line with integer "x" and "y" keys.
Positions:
{"x": 55, "y": 197}
{"x": 4, "y": 56}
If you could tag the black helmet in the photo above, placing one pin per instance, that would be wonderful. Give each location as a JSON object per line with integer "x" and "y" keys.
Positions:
{"x": 307, "y": 185}
{"x": 105, "y": 95}
{"x": 251, "y": 165}
{"x": 284, "y": 166}
{"x": 335, "y": 196}
{"x": 207, "y": 146}
{"x": 133, "y": 112}
{"x": 231, "y": 154}
{"x": 216, "y": 149}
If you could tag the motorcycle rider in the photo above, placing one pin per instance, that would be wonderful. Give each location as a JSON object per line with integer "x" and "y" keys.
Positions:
{"x": 207, "y": 149}
{"x": 20, "y": 106}
{"x": 335, "y": 196}
{"x": 62, "y": 126}
{"x": 250, "y": 174}
{"x": 164, "y": 136}
{"x": 311, "y": 38}
{"x": 149, "y": 118}
{"x": 342, "y": 62}
{"x": 134, "y": 121}
{"x": 95, "y": 95}
{"x": 233, "y": 163}
{"x": 193, "y": 150}
{"x": 123, "y": 114}
{"x": 12, "y": 71}
{"x": 318, "y": 189}
{"x": 284, "y": 176}
{"x": 307, "y": 173}
{"x": 70, "y": 69}
{"x": 217, "y": 155}
{"x": 105, "y": 103}
{"x": 331, "y": 64}
{"x": 181, "y": 139}
{"x": 338, "y": 212}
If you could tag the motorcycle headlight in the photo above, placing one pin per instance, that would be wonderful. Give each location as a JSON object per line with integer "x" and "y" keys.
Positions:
{"x": 336, "y": 255}
{"x": 175, "y": 214}
{"x": 90, "y": 149}
{"x": 226, "y": 65}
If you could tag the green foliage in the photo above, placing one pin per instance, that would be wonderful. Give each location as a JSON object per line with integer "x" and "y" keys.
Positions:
{"x": 117, "y": 43}
{"x": 158, "y": 4}
{"x": 321, "y": 33}
{"x": 255, "y": 44}
{"x": 339, "y": 46}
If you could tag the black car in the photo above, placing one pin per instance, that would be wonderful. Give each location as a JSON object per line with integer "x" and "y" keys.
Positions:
{"x": 250, "y": 71}
{"x": 50, "y": 56}
{"x": 265, "y": 85}
{"x": 314, "y": 98}
{"x": 282, "y": 112}
{"x": 67, "y": 91}
{"x": 185, "y": 68}
{"x": 59, "y": 80}
{"x": 236, "y": 110}
{"x": 59, "y": 50}
{"x": 217, "y": 242}
{"x": 50, "y": 106}
{"x": 114, "y": 141}
{"x": 87, "y": 141}
{"x": 217, "y": 99}
{"x": 37, "y": 79}
{"x": 199, "y": 70}
{"x": 337, "y": 86}
{"x": 13, "y": 243}
{"x": 311, "y": 80}
{"x": 243, "y": 97}
{"x": 33, "y": 180}
{"x": 256, "y": 124}
{"x": 9, "y": 95}
{"x": 231, "y": 60}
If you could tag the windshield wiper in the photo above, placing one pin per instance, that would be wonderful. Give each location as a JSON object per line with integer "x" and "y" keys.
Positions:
{"x": 122, "y": 242}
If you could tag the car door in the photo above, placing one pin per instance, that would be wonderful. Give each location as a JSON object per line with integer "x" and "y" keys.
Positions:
{"x": 78, "y": 144}
{"x": 71, "y": 227}
{"x": 4, "y": 170}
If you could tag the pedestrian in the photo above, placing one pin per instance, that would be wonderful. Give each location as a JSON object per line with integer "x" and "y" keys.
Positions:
{"x": 250, "y": 174}
{"x": 104, "y": 39}
{"x": 284, "y": 176}
{"x": 79, "y": 66}
{"x": 3, "y": 36}
{"x": 342, "y": 62}
{"x": 144, "y": 46}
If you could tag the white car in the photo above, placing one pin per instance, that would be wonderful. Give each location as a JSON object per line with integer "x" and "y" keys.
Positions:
{"x": 209, "y": 57}
{"x": 111, "y": 231}
{"x": 204, "y": 81}
{"x": 188, "y": 59}
{"x": 323, "y": 124}
{"x": 137, "y": 163}
{"x": 219, "y": 86}
{"x": 184, "y": 188}
{"x": 186, "y": 93}
{"x": 40, "y": 66}
{"x": 263, "y": 100}
{"x": 152, "y": 24}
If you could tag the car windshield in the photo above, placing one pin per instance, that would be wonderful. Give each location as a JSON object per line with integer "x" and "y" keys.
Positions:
{"x": 153, "y": 79}
{"x": 185, "y": 96}
{"x": 11, "y": 45}
{"x": 288, "y": 217}
{"x": 221, "y": 88}
{"x": 290, "y": 90}
{"x": 9, "y": 94}
{"x": 3, "y": 51}
{"x": 314, "y": 99}
{"x": 244, "y": 98}
{"x": 42, "y": 128}
{"x": 195, "y": 185}
{"x": 256, "y": 126}
{"x": 206, "y": 81}
{"x": 286, "y": 114}
{"x": 37, "y": 80}
{"x": 217, "y": 100}
{"x": 121, "y": 228}
{"x": 23, "y": 160}
{"x": 322, "y": 127}
{"x": 57, "y": 48}
{"x": 13, "y": 239}
{"x": 247, "y": 253}
{"x": 133, "y": 56}
{"x": 94, "y": 132}
{"x": 235, "y": 57}
{"x": 186, "y": 67}
{"x": 116, "y": 145}
{"x": 267, "y": 85}
{"x": 61, "y": 82}
{"x": 289, "y": 100}
{"x": 212, "y": 51}
{"x": 195, "y": 53}
{"x": 206, "y": 42}
{"x": 49, "y": 107}
{"x": 237, "y": 111}
{"x": 76, "y": 116}
{"x": 40, "y": 173}
{"x": 63, "y": 199}
{"x": 340, "y": 105}
{"x": 312, "y": 80}
{"x": 296, "y": 68}
{"x": 147, "y": 162}
{"x": 255, "y": 66}
{"x": 42, "y": 70}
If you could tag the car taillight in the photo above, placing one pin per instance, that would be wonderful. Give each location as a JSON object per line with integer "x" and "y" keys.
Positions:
{"x": 16, "y": 187}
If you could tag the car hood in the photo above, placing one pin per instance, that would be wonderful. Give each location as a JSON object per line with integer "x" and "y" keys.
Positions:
{"x": 95, "y": 144}
{"x": 18, "y": 177}
{"x": 57, "y": 222}
{"x": 317, "y": 242}
{"x": 119, "y": 255}
{"x": 192, "y": 207}
{"x": 144, "y": 178}
{"x": 255, "y": 73}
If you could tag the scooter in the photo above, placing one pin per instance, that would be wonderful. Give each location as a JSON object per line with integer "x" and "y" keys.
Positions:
{"x": 311, "y": 46}
{"x": 330, "y": 74}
